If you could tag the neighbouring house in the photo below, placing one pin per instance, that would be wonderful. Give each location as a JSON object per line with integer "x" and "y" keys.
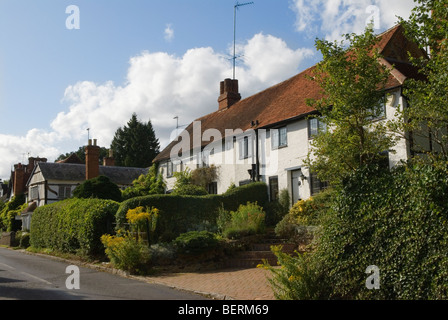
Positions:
{"x": 21, "y": 174}
{"x": 52, "y": 182}
{"x": 267, "y": 136}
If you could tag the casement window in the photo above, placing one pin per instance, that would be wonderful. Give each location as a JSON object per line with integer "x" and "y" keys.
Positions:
{"x": 34, "y": 193}
{"x": 316, "y": 185}
{"x": 65, "y": 192}
{"x": 379, "y": 114}
{"x": 245, "y": 147}
{"x": 279, "y": 138}
{"x": 212, "y": 188}
{"x": 169, "y": 169}
{"x": 273, "y": 188}
{"x": 315, "y": 126}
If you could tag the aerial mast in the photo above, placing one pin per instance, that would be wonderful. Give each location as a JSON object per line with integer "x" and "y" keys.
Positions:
{"x": 235, "y": 8}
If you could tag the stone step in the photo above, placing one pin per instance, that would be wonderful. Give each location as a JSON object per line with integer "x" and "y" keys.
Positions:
{"x": 259, "y": 252}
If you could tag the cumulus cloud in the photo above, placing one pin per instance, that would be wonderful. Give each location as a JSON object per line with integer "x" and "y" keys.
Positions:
{"x": 158, "y": 87}
{"x": 169, "y": 33}
{"x": 333, "y": 18}
{"x": 15, "y": 149}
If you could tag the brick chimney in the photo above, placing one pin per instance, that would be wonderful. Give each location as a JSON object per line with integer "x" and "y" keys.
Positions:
{"x": 229, "y": 94}
{"x": 92, "y": 160}
{"x": 19, "y": 179}
{"x": 109, "y": 161}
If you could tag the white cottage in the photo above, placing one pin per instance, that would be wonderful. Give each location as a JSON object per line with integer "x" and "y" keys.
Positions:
{"x": 272, "y": 130}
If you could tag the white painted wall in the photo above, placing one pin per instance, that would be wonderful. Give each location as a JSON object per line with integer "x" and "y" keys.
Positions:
{"x": 282, "y": 162}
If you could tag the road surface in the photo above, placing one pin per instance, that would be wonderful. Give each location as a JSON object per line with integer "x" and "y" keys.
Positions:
{"x": 30, "y": 277}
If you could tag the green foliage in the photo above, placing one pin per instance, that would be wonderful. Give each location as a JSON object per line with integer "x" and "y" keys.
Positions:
{"x": 135, "y": 145}
{"x": 125, "y": 252}
{"x": 81, "y": 153}
{"x": 396, "y": 220}
{"x": 190, "y": 190}
{"x": 427, "y": 112}
{"x": 100, "y": 187}
{"x": 276, "y": 210}
{"x": 204, "y": 176}
{"x": 196, "y": 242}
{"x": 194, "y": 182}
{"x": 179, "y": 214}
{"x": 297, "y": 278}
{"x": 23, "y": 239}
{"x": 9, "y": 211}
{"x": 249, "y": 219}
{"x": 353, "y": 83}
{"x": 151, "y": 183}
{"x": 73, "y": 225}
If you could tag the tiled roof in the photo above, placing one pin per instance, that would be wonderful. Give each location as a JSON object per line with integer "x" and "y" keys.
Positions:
{"x": 77, "y": 172}
{"x": 288, "y": 99}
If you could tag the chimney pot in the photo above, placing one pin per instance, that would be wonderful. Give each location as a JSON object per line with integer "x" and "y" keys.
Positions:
{"x": 92, "y": 160}
{"x": 229, "y": 94}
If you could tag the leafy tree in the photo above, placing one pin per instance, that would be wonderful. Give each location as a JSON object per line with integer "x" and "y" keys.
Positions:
{"x": 352, "y": 81}
{"x": 135, "y": 145}
{"x": 427, "y": 111}
{"x": 81, "y": 153}
{"x": 151, "y": 183}
{"x": 100, "y": 187}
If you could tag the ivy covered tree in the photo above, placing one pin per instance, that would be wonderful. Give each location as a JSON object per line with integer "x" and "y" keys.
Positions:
{"x": 427, "y": 112}
{"x": 353, "y": 82}
{"x": 135, "y": 144}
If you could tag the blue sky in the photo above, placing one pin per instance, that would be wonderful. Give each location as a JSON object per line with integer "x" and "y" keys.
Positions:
{"x": 156, "y": 58}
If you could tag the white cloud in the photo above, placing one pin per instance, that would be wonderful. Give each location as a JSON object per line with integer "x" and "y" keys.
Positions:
{"x": 158, "y": 87}
{"x": 333, "y": 18}
{"x": 15, "y": 149}
{"x": 169, "y": 33}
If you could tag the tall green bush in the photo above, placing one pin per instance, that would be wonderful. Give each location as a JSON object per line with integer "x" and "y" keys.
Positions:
{"x": 100, "y": 187}
{"x": 73, "y": 225}
{"x": 395, "y": 220}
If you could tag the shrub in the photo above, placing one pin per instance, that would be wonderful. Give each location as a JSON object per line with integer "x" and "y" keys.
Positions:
{"x": 127, "y": 253}
{"x": 73, "y": 225}
{"x": 297, "y": 278}
{"x": 180, "y": 214}
{"x": 395, "y": 220}
{"x": 196, "y": 242}
{"x": 248, "y": 220}
{"x": 100, "y": 187}
{"x": 145, "y": 220}
{"x": 9, "y": 211}
{"x": 190, "y": 190}
{"x": 151, "y": 183}
{"x": 276, "y": 210}
{"x": 23, "y": 239}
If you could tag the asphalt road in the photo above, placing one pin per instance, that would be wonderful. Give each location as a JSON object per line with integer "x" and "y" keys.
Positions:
{"x": 30, "y": 277}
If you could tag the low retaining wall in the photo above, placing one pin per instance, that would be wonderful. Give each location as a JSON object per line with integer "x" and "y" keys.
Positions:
{"x": 8, "y": 239}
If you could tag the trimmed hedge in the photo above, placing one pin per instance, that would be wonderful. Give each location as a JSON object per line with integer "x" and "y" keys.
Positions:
{"x": 73, "y": 225}
{"x": 180, "y": 214}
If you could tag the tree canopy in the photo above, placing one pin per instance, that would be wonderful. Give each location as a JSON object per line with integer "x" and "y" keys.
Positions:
{"x": 353, "y": 82}
{"x": 135, "y": 144}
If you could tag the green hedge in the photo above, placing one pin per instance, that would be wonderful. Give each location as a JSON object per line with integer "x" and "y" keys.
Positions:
{"x": 73, "y": 225}
{"x": 396, "y": 220}
{"x": 180, "y": 214}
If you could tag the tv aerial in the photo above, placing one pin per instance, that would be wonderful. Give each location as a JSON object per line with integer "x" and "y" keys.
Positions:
{"x": 235, "y": 9}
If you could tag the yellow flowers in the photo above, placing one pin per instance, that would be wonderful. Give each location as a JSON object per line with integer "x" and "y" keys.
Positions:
{"x": 139, "y": 215}
{"x": 111, "y": 242}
